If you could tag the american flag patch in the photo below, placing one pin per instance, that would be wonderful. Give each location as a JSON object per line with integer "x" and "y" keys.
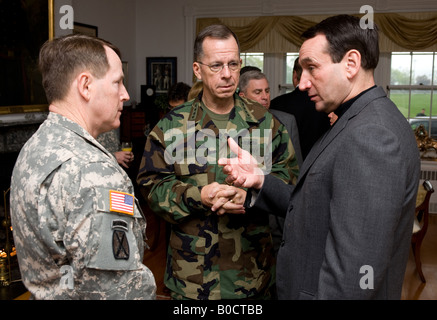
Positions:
{"x": 121, "y": 202}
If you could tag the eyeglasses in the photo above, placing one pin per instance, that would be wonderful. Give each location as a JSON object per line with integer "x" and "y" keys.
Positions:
{"x": 217, "y": 67}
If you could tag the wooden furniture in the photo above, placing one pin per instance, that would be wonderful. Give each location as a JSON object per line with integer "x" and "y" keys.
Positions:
{"x": 420, "y": 225}
{"x": 133, "y": 124}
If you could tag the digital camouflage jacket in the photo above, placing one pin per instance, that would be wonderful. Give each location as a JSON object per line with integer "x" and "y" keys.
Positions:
{"x": 210, "y": 256}
{"x": 78, "y": 230}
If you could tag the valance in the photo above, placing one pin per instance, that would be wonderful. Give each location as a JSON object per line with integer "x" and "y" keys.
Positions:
{"x": 411, "y": 34}
{"x": 277, "y": 34}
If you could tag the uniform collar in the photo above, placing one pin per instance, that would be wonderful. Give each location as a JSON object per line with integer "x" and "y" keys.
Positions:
{"x": 75, "y": 128}
{"x": 239, "y": 117}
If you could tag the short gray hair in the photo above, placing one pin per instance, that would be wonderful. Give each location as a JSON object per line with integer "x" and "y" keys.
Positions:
{"x": 247, "y": 76}
{"x": 215, "y": 31}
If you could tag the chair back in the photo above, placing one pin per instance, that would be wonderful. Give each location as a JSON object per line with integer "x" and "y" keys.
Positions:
{"x": 422, "y": 208}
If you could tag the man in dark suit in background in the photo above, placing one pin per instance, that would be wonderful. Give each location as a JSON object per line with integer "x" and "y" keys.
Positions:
{"x": 310, "y": 123}
{"x": 349, "y": 217}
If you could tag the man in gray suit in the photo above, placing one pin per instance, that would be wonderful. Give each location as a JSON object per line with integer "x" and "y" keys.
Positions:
{"x": 349, "y": 218}
{"x": 254, "y": 85}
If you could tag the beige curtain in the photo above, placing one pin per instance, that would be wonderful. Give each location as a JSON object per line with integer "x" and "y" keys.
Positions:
{"x": 412, "y": 34}
{"x": 277, "y": 34}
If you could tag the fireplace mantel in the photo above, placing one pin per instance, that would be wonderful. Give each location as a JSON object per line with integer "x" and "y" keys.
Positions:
{"x": 16, "y": 129}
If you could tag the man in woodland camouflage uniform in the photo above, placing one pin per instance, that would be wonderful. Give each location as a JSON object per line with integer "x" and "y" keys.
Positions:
{"x": 77, "y": 226}
{"x": 226, "y": 254}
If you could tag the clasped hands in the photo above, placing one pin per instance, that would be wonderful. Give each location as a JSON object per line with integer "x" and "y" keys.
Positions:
{"x": 242, "y": 172}
{"x": 223, "y": 198}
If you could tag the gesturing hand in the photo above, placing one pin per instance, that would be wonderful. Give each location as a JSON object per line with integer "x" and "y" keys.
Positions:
{"x": 242, "y": 171}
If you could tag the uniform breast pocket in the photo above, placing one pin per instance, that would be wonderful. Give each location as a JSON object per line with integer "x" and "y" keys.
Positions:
{"x": 194, "y": 174}
{"x": 114, "y": 239}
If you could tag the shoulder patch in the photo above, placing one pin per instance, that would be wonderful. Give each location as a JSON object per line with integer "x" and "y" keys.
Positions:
{"x": 121, "y": 202}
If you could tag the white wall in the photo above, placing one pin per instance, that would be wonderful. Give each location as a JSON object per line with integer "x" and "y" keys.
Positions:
{"x": 115, "y": 20}
{"x": 152, "y": 28}
{"x": 140, "y": 28}
{"x": 160, "y": 33}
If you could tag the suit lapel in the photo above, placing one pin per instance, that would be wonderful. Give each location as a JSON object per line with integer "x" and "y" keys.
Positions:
{"x": 328, "y": 137}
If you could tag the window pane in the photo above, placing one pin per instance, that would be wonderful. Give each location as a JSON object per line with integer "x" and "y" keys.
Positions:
{"x": 435, "y": 69}
{"x": 420, "y": 103}
{"x": 414, "y": 123}
{"x": 400, "y": 69}
{"x": 401, "y": 99}
{"x": 290, "y": 58}
{"x": 253, "y": 59}
{"x": 422, "y": 69}
{"x": 434, "y": 91}
{"x": 429, "y": 125}
{"x": 434, "y": 103}
{"x": 415, "y": 69}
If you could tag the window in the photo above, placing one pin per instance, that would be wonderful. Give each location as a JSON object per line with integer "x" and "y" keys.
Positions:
{"x": 413, "y": 83}
{"x": 253, "y": 59}
{"x": 278, "y": 67}
{"x": 289, "y": 65}
{"x": 411, "y": 78}
{"x": 286, "y": 85}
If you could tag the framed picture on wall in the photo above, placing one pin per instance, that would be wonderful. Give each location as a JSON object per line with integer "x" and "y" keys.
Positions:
{"x": 26, "y": 25}
{"x": 161, "y": 72}
{"x": 86, "y": 29}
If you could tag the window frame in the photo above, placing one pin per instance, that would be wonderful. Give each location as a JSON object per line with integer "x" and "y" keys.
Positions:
{"x": 412, "y": 118}
{"x": 275, "y": 68}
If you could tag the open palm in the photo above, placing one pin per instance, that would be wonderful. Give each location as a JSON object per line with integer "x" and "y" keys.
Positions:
{"x": 243, "y": 170}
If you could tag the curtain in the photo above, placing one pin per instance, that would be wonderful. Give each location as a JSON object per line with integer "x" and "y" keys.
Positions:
{"x": 278, "y": 34}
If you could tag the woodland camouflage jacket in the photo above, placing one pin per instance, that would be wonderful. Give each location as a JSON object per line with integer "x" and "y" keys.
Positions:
{"x": 211, "y": 256}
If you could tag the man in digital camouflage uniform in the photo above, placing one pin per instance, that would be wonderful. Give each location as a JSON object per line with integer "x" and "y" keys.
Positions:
{"x": 77, "y": 227}
{"x": 226, "y": 254}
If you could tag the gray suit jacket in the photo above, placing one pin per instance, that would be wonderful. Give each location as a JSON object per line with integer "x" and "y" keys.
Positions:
{"x": 349, "y": 218}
